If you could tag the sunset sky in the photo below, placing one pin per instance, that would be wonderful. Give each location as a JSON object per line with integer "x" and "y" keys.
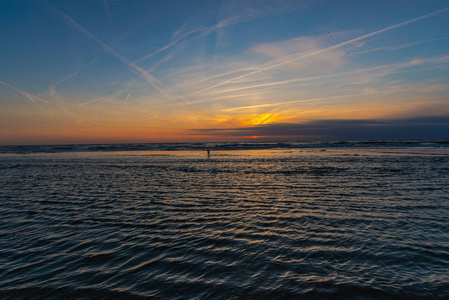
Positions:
{"x": 117, "y": 71}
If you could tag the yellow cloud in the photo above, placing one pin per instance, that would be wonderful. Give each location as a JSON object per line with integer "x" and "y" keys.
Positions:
{"x": 263, "y": 119}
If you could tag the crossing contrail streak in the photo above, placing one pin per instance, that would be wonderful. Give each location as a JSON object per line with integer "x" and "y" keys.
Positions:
{"x": 34, "y": 99}
{"x": 136, "y": 69}
{"x": 293, "y": 57}
{"x": 153, "y": 81}
{"x": 51, "y": 89}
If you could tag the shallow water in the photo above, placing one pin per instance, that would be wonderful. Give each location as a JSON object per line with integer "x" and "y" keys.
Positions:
{"x": 356, "y": 224}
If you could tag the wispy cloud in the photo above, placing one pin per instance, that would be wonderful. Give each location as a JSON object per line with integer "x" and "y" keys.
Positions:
{"x": 132, "y": 66}
{"x": 393, "y": 89}
{"x": 297, "y": 101}
{"x": 169, "y": 45}
{"x": 398, "y": 47}
{"x": 51, "y": 89}
{"x": 234, "y": 12}
{"x": 360, "y": 76}
{"x": 49, "y": 109}
{"x": 111, "y": 96}
{"x": 108, "y": 11}
{"x": 231, "y": 13}
{"x": 34, "y": 99}
{"x": 126, "y": 100}
{"x": 299, "y": 56}
{"x": 153, "y": 81}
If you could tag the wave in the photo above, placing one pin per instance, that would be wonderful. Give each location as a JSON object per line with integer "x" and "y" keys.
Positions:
{"x": 212, "y": 290}
{"x": 243, "y": 227}
{"x": 22, "y": 149}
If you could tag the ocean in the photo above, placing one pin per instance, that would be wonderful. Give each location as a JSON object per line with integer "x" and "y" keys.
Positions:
{"x": 340, "y": 220}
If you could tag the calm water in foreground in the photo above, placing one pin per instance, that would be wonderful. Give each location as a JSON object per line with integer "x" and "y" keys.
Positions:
{"x": 275, "y": 224}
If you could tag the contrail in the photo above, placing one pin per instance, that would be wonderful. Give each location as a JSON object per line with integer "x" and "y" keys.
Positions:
{"x": 202, "y": 30}
{"x": 108, "y": 12}
{"x": 386, "y": 68}
{"x": 325, "y": 49}
{"x": 51, "y": 88}
{"x": 295, "y": 80}
{"x": 161, "y": 49}
{"x": 112, "y": 96}
{"x": 294, "y": 101}
{"x": 124, "y": 103}
{"x": 392, "y": 48}
{"x": 153, "y": 81}
{"x": 136, "y": 69}
{"x": 441, "y": 87}
{"x": 32, "y": 98}
{"x": 83, "y": 119}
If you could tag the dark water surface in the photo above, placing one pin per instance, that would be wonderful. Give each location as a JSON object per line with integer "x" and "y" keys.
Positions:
{"x": 248, "y": 224}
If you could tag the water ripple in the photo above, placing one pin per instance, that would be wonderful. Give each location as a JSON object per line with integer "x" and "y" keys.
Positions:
{"x": 265, "y": 227}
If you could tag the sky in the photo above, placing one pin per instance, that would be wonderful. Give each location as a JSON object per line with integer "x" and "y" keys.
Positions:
{"x": 136, "y": 71}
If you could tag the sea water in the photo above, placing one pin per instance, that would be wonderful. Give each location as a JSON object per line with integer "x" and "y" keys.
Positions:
{"x": 319, "y": 223}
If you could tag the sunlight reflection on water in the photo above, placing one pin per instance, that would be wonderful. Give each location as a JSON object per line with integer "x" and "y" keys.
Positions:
{"x": 254, "y": 224}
